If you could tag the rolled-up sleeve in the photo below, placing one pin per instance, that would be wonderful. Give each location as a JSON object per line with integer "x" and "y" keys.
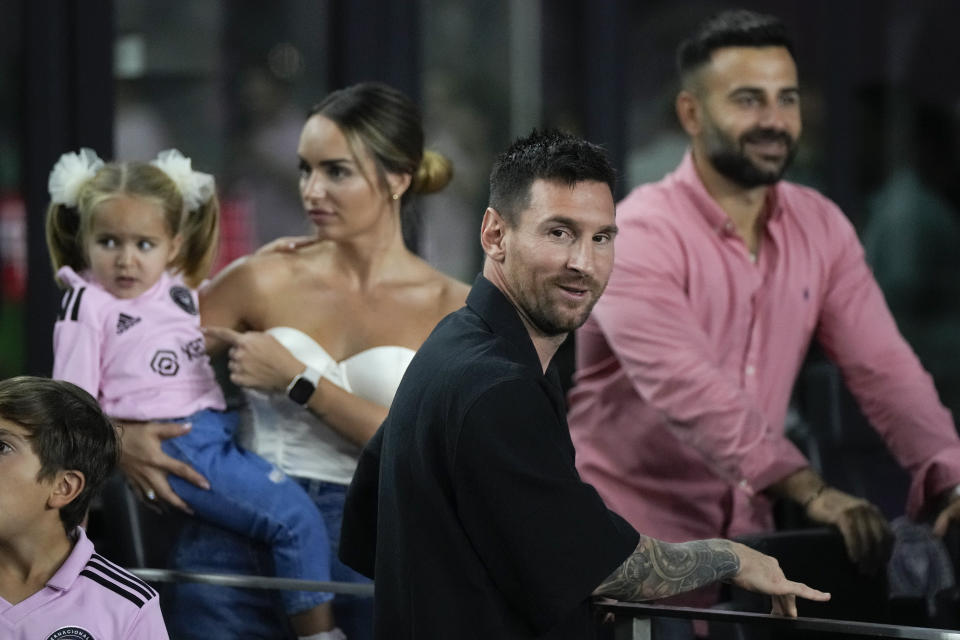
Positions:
{"x": 896, "y": 394}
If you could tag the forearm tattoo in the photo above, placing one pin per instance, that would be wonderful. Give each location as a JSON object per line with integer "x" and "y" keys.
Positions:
{"x": 659, "y": 569}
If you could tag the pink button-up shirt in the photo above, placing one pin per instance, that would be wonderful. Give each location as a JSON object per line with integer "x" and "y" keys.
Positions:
{"x": 685, "y": 367}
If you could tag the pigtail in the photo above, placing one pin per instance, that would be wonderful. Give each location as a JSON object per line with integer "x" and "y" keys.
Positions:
{"x": 69, "y": 179}
{"x": 63, "y": 239}
{"x": 200, "y": 231}
{"x": 199, "y": 226}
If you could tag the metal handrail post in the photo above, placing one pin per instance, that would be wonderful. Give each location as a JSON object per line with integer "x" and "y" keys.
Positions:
{"x": 627, "y": 628}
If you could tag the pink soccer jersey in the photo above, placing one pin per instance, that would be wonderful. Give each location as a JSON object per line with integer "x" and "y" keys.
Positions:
{"x": 88, "y": 598}
{"x": 142, "y": 358}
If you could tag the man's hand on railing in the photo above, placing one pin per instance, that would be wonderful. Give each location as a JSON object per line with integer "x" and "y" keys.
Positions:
{"x": 762, "y": 574}
{"x": 949, "y": 514}
{"x": 866, "y": 533}
{"x": 658, "y": 569}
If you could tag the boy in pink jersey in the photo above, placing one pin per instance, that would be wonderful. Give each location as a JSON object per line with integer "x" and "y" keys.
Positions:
{"x": 56, "y": 449}
{"x": 128, "y": 242}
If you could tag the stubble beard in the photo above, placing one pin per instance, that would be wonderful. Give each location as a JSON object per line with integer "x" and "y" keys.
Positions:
{"x": 730, "y": 159}
{"x": 548, "y": 316}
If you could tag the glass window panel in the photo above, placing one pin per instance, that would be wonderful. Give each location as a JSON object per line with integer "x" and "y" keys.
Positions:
{"x": 229, "y": 84}
{"x": 469, "y": 104}
{"x": 13, "y": 242}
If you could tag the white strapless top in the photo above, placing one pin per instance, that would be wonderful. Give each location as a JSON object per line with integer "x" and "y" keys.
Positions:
{"x": 297, "y": 441}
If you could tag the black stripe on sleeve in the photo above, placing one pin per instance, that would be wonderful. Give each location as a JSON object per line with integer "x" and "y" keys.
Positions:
{"x": 76, "y": 304}
{"x": 147, "y": 592}
{"x": 113, "y": 587}
{"x": 126, "y": 574}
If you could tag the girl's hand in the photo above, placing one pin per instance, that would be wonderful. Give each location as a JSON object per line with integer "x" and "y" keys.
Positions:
{"x": 256, "y": 359}
{"x": 146, "y": 465}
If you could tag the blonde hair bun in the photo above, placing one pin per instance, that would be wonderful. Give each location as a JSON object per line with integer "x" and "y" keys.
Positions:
{"x": 433, "y": 174}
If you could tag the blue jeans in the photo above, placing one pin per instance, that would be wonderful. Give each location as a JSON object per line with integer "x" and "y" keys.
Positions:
{"x": 250, "y": 497}
{"x": 200, "y": 612}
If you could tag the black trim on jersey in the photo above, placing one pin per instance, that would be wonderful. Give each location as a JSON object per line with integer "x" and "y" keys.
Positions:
{"x": 117, "y": 589}
{"x": 126, "y": 580}
{"x": 130, "y": 576}
{"x": 67, "y": 299}
{"x": 76, "y": 303}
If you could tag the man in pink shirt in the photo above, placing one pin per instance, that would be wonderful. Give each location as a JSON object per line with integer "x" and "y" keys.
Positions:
{"x": 56, "y": 449}
{"x": 723, "y": 275}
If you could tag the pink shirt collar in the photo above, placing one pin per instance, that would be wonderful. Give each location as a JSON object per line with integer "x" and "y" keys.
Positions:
{"x": 686, "y": 175}
{"x": 67, "y": 574}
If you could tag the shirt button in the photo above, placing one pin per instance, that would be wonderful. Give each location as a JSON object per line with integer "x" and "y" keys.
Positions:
{"x": 750, "y": 370}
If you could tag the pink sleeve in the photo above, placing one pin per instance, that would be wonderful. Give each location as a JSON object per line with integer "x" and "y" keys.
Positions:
{"x": 149, "y": 624}
{"x": 648, "y": 322}
{"x": 77, "y": 347}
{"x": 894, "y": 391}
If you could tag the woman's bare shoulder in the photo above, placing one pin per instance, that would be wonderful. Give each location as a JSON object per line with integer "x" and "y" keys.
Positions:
{"x": 446, "y": 292}
{"x": 454, "y": 293}
{"x": 252, "y": 273}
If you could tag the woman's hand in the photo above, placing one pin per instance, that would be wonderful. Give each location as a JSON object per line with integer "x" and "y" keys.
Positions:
{"x": 257, "y": 359}
{"x": 287, "y": 244}
{"x": 146, "y": 465}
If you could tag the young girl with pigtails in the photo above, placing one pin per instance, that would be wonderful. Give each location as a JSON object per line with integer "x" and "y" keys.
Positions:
{"x": 129, "y": 243}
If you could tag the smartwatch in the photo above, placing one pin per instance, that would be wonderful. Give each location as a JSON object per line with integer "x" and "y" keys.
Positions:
{"x": 303, "y": 385}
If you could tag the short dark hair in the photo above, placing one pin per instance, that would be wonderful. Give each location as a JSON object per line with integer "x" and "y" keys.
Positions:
{"x": 548, "y": 154}
{"x": 732, "y": 28}
{"x": 68, "y": 431}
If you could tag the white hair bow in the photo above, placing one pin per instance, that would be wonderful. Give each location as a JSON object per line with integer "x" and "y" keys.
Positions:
{"x": 72, "y": 171}
{"x": 195, "y": 187}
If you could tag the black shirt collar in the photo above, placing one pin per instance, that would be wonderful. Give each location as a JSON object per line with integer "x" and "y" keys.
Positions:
{"x": 494, "y": 308}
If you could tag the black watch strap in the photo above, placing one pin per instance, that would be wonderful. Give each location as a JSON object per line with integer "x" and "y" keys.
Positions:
{"x": 303, "y": 385}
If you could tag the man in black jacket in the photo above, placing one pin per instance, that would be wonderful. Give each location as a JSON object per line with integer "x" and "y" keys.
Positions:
{"x": 466, "y": 506}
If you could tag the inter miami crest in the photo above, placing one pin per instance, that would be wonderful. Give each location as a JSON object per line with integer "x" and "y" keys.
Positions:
{"x": 71, "y": 633}
{"x": 181, "y": 296}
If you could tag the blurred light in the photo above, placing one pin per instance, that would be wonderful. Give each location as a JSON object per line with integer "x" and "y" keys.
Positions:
{"x": 285, "y": 61}
{"x": 129, "y": 56}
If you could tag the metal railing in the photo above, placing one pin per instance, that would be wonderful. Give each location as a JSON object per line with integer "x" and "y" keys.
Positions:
{"x": 633, "y": 622}
{"x": 253, "y": 582}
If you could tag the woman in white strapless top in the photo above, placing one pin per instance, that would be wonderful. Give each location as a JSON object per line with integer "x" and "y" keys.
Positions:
{"x": 349, "y": 306}
{"x": 312, "y": 449}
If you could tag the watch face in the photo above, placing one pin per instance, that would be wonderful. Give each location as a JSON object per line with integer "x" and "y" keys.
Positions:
{"x": 301, "y": 391}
